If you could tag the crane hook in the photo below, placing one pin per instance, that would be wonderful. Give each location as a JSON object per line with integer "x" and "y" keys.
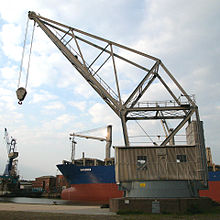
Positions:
{"x": 21, "y": 93}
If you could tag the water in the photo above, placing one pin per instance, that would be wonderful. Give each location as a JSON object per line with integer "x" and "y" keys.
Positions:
{"x": 35, "y": 200}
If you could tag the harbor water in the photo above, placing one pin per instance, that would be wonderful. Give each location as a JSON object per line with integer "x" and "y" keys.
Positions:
{"x": 28, "y": 200}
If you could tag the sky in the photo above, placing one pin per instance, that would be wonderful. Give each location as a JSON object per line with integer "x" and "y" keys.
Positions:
{"x": 184, "y": 34}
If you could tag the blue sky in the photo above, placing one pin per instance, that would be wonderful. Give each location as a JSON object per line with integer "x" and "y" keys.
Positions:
{"x": 183, "y": 34}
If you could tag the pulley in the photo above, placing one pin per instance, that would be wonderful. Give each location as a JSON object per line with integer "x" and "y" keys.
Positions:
{"x": 21, "y": 93}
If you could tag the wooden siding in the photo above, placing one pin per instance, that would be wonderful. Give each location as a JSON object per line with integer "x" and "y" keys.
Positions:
{"x": 161, "y": 163}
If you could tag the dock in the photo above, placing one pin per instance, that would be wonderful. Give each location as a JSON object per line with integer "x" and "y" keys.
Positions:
{"x": 11, "y": 211}
{"x": 67, "y": 209}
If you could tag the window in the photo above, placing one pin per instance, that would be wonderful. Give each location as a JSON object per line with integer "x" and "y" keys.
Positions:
{"x": 141, "y": 162}
{"x": 180, "y": 158}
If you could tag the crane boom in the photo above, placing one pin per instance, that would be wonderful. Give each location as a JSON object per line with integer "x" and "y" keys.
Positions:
{"x": 8, "y": 145}
{"x": 88, "y": 137}
{"x": 130, "y": 109}
{"x": 108, "y": 140}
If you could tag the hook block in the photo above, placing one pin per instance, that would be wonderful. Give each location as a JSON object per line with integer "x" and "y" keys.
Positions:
{"x": 21, "y": 93}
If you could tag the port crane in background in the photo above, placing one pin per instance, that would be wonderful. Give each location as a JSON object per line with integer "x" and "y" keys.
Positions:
{"x": 11, "y": 167}
{"x": 9, "y": 181}
{"x": 93, "y": 56}
{"x": 108, "y": 140}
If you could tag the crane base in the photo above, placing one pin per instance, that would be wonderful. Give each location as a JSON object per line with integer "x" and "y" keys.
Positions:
{"x": 161, "y": 205}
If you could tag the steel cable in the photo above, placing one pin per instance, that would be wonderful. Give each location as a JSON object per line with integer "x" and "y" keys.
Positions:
{"x": 29, "y": 58}
{"x": 22, "y": 57}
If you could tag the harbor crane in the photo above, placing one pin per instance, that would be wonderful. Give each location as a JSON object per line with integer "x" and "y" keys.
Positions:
{"x": 9, "y": 181}
{"x": 12, "y": 154}
{"x": 108, "y": 140}
{"x": 111, "y": 53}
{"x": 182, "y": 168}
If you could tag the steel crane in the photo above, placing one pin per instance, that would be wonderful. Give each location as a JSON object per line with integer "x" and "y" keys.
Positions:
{"x": 130, "y": 109}
{"x": 130, "y": 106}
{"x": 75, "y": 45}
{"x": 108, "y": 140}
{"x": 12, "y": 154}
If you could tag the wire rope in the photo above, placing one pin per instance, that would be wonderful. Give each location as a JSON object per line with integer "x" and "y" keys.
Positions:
{"x": 29, "y": 58}
{"x": 91, "y": 130}
{"x": 22, "y": 57}
{"x": 146, "y": 133}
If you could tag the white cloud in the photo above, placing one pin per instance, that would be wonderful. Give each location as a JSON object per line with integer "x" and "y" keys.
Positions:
{"x": 9, "y": 73}
{"x": 54, "y": 106}
{"x": 59, "y": 122}
{"x": 8, "y": 99}
{"x": 80, "y": 105}
{"x": 10, "y": 38}
{"x": 41, "y": 73}
{"x": 13, "y": 11}
{"x": 101, "y": 113}
{"x": 42, "y": 96}
{"x": 84, "y": 90}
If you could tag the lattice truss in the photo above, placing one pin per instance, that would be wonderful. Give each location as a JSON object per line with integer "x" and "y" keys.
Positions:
{"x": 128, "y": 80}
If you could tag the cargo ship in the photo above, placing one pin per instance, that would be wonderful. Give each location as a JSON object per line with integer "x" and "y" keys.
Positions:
{"x": 213, "y": 191}
{"x": 92, "y": 181}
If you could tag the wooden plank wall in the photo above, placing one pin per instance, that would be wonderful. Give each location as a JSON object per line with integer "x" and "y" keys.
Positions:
{"x": 161, "y": 163}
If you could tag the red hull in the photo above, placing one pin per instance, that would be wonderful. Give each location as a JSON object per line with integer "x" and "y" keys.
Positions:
{"x": 213, "y": 192}
{"x": 97, "y": 193}
{"x": 101, "y": 193}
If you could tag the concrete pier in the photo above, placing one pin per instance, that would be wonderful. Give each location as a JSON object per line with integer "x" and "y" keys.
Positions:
{"x": 161, "y": 205}
{"x": 67, "y": 209}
